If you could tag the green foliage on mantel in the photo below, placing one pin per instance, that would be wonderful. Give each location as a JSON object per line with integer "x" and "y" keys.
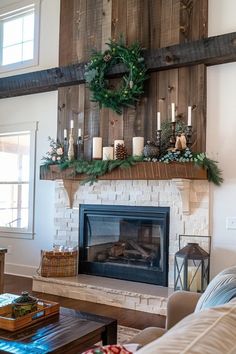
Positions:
{"x": 96, "y": 168}
{"x": 214, "y": 174}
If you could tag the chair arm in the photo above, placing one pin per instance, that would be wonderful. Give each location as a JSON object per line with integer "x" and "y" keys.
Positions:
{"x": 147, "y": 335}
{"x": 180, "y": 304}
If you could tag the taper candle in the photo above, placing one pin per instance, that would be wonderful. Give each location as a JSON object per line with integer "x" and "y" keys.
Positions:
{"x": 138, "y": 145}
{"x": 172, "y": 112}
{"x": 65, "y": 133}
{"x": 97, "y": 148}
{"x": 71, "y": 124}
{"x": 189, "y": 115}
{"x": 107, "y": 153}
{"x": 158, "y": 120}
{"x": 79, "y": 132}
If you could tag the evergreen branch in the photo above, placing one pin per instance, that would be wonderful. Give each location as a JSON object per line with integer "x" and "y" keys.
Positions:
{"x": 214, "y": 173}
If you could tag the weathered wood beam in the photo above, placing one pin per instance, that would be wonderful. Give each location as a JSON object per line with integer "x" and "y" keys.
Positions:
{"x": 209, "y": 51}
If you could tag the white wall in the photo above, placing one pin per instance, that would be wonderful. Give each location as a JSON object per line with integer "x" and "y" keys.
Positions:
{"x": 49, "y": 35}
{"x": 25, "y": 256}
{"x": 221, "y": 141}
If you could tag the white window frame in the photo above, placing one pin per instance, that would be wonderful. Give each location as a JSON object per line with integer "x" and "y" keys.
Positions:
{"x": 29, "y": 232}
{"x": 16, "y": 10}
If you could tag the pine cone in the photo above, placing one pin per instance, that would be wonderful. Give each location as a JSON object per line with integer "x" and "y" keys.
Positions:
{"x": 121, "y": 152}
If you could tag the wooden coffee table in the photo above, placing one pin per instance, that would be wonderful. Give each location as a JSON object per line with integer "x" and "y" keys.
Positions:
{"x": 69, "y": 332}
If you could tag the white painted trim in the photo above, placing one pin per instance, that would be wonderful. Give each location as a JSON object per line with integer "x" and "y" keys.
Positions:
{"x": 22, "y": 270}
{"x": 18, "y": 5}
{"x": 18, "y": 8}
{"x": 11, "y": 128}
{"x": 19, "y": 128}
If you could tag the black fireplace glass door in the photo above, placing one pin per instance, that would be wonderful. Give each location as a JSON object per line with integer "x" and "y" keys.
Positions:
{"x": 125, "y": 244}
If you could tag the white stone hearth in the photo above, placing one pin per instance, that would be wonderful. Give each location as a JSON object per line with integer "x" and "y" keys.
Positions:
{"x": 113, "y": 292}
{"x": 140, "y": 193}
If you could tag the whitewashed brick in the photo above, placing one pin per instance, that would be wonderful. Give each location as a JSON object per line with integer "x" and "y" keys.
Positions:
{"x": 140, "y": 193}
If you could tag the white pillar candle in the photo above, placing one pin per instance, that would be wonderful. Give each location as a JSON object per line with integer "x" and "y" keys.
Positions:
{"x": 79, "y": 132}
{"x": 97, "y": 148}
{"x": 189, "y": 115}
{"x": 107, "y": 153}
{"x": 138, "y": 145}
{"x": 158, "y": 120}
{"x": 65, "y": 133}
{"x": 172, "y": 112}
{"x": 71, "y": 124}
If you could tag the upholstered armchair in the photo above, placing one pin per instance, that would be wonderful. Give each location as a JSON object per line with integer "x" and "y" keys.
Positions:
{"x": 180, "y": 304}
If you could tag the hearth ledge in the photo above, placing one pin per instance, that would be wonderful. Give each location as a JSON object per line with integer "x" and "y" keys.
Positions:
{"x": 118, "y": 293}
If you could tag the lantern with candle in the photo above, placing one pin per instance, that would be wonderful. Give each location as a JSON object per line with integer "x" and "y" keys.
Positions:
{"x": 191, "y": 269}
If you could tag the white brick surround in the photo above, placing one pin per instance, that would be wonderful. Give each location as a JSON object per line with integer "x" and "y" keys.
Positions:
{"x": 140, "y": 193}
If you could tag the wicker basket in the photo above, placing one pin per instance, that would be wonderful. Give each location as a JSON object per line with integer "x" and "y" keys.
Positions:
{"x": 58, "y": 264}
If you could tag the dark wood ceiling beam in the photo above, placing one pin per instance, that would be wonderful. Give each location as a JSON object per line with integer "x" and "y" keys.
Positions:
{"x": 209, "y": 51}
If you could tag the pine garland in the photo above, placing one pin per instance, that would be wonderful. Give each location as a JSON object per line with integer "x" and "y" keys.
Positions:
{"x": 96, "y": 168}
{"x": 132, "y": 87}
{"x": 214, "y": 174}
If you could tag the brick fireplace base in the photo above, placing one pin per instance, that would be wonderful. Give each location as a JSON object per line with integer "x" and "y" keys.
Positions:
{"x": 112, "y": 292}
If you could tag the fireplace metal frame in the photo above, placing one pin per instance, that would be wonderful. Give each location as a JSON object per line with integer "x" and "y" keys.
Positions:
{"x": 160, "y": 214}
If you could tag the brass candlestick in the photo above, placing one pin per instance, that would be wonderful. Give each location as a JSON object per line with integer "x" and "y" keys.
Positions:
{"x": 71, "y": 151}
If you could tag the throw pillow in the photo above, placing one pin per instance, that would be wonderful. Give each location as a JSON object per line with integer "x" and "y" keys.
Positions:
{"x": 211, "y": 331}
{"x": 113, "y": 349}
{"x": 220, "y": 290}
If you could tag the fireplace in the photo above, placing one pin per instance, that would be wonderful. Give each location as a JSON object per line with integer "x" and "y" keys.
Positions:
{"x": 124, "y": 242}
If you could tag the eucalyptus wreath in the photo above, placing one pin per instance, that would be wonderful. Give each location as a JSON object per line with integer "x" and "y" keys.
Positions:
{"x": 132, "y": 84}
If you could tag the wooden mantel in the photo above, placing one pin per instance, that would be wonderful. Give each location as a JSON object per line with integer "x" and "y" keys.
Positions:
{"x": 140, "y": 171}
{"x": 180, "y": 173}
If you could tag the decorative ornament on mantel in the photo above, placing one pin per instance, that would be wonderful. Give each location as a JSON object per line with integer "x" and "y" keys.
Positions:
{"x": 101, "y": 62}
{"x": 97, "y": 167}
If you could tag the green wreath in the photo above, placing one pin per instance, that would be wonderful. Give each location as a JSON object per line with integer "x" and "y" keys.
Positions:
{"x": 132, "y": 84}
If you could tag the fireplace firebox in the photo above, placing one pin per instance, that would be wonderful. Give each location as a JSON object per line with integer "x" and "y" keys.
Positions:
{"x": 124, "y": 242}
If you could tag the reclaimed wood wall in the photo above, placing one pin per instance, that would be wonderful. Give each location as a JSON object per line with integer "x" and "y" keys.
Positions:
{"x": 88, "y": 24}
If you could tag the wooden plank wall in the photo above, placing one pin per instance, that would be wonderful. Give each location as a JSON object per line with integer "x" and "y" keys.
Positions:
{"x": 88, "y": 24}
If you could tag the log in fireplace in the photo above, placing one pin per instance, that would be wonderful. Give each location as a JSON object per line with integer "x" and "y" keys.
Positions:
{"x": 124, "y": 242}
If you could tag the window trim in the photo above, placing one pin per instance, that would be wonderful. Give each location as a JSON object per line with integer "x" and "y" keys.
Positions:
{"x": 18, "y": 10}
{"x": 31, "y": 127}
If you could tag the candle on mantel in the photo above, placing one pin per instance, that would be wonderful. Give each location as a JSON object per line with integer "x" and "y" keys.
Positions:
{"x": 79, "y": 133}
{"x": 65, "y": 133}
{"x": 173, "y": 112}
{"x": 138, "y": 145}
{"x": 97, "y": 148}
{"x": 108, "y": 153}
{"x": 158, "y": 120}
{"x": 71, "y": 124}
{"x": 189, "y": 115}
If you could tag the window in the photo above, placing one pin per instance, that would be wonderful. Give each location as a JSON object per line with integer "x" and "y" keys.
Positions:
{"x": 17, "y": 155}
{"x": 19, "y": 31}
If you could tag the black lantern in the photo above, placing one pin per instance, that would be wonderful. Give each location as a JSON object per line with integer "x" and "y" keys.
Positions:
{"x": 191, "y": 268}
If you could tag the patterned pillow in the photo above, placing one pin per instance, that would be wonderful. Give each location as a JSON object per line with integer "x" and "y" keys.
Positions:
{"x": 220, "y": 290}
{"x": 113, "y": 349}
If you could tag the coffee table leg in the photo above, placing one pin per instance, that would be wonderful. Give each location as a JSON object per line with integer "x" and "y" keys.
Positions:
{"x": 110, "y": 335}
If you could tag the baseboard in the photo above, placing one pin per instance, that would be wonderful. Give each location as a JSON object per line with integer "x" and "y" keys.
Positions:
{"x": 21, "y": 270}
